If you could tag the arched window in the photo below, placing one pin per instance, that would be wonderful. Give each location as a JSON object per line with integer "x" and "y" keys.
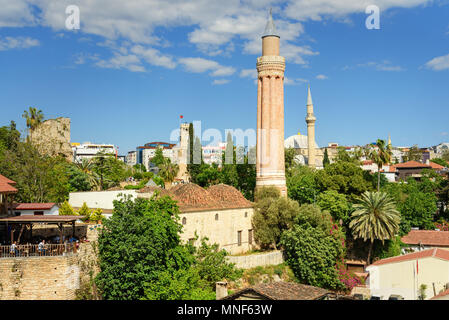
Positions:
{"x": 216, "y": 216}
{"x": 184, "y": 220}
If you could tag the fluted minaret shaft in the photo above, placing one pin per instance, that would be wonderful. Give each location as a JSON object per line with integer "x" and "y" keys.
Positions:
{"x": 270, "y": 165}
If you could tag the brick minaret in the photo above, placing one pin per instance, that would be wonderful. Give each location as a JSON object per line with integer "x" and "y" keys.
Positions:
{"x": 310, "y": 120}
{"x": 270, "y": 166}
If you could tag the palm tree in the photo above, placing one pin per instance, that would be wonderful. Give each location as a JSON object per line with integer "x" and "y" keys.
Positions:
{"x": 168, "y": 170}
{"x": 375, "y": 217}
{"x": 86, "y": 166}
{"x": 33, "y": 118}
{"x": 380, "y": 155}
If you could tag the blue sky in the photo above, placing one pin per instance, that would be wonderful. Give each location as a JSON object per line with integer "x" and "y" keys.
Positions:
{"x": 133, "y": 67}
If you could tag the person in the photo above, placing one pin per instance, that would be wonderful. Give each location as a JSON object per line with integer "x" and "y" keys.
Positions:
{"x": 41, "y": 247}
{"x": 14, "y": 249}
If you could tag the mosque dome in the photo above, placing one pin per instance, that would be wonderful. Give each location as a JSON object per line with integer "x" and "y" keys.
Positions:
{"x": 298, "y": 141}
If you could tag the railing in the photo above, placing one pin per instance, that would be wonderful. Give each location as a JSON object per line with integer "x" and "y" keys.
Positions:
{"x": 32, "y": 250}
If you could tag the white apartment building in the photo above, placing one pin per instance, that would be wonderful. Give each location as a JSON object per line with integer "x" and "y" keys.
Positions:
{"x": 213, "y": 154}
{"x": 89, "y": 150}
{"x": 131, "y": 158}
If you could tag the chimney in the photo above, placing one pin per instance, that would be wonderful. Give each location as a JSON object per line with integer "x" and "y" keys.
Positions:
{"x": 221, "y": 290}
{"x": 427, "y": 161}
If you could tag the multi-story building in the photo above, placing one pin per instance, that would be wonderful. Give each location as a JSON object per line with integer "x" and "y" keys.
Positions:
{"x": 131, "y": 158}
{"x": 148, "y": 151}
{"x": 90, "y": 150}
{"x": 213, "y": 154}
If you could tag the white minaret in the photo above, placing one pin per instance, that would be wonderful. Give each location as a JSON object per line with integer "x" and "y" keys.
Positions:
{"x": 310, "y": 120}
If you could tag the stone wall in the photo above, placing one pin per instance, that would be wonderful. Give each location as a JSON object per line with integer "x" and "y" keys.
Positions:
{"x": 256, "y": 260}
{"x": 52, "y": 137}
{"x": 39, "y": 278}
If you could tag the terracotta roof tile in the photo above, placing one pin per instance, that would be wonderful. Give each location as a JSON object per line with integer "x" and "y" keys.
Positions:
{"x": 6, "y": 185}
{"x": 283, "y": 291}
{"x": 33, "y": 206}
{"x": 435, "y": 252}
{"x": 436, "y": 166}
{"x": 427, "y": 238}
{"x": 191, "y": 197}
{"x": 412, "y": 164}
{"x": 441, "y": 294}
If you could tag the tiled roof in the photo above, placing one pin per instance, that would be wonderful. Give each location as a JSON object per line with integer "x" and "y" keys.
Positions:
{"x": 33, "y": 206}
{"x": 427, "y": 238}
{"x": 6, "y": 185}
{"x": 191, "y": 197}
{"x": 441, "y": 294}
{"x": 435, "y": 253}
{"x": 412, "y": 164}
{"x": 436, "y": 166}
{"x": 283, "y": 291}
{"x": 47, "y": 218}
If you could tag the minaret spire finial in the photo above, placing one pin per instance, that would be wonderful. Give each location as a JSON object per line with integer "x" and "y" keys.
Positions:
{"x": 270, "y": 29}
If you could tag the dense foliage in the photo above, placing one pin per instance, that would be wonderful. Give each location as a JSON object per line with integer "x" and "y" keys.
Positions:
{"x": 141, "y": 255}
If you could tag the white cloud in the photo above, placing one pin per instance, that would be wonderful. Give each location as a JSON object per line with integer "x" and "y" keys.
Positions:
{"x": 294, "y": 82}
{"x": 384, "y": 65}
{"x": 154, "y": 57}
{"x": 9, "y": 43}
{"x": 130, "y": 62}
{"x": 220, "y": 81}
{"x": 438, "y": 63}
{"x": 339, "y": 9}
{"x": 16, "y": 13}
{"x": 321, "y": 77}
{"x": 248, "y": 73}
{"x": 200, "y": 65}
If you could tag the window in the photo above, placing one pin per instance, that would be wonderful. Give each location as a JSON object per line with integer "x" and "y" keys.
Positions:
{"x": 17, "y": 213}
{"x": 216, "y": 217}
{"x": 38, "y": 213}
{"x": 239, "y": 238}
{"x": 246, "y": 214}
{"x": 250, "y": 236}
{"x": 184, "y": 220}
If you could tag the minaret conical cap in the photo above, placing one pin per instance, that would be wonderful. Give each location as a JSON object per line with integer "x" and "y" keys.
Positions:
{"x": 309, "y": 97}
{"x": 270, "y": 28}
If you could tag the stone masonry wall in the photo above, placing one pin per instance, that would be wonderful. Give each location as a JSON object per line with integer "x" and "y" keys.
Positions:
{"x": 52, "y": 137}
{"x": 256, "y": 260}
{"x": 39, "y": 278}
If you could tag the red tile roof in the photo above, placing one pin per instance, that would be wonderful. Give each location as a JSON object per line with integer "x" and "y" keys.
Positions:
{"x": 191, "y": 197}
{"x": 435, "y": 253}
{"x": 436, "y": 166}
{"x": 33, "y": 206}
{"x": 412, "y": 164}
{"x": 427, "y": 238}
{"x": 6, "y": 185}
{"x": 441, "y": 294}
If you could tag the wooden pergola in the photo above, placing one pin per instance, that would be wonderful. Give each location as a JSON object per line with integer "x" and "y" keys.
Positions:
{"x": 23, "y": 221}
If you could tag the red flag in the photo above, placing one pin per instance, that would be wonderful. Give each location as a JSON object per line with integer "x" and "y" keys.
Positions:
{"x": 181, "y": 116}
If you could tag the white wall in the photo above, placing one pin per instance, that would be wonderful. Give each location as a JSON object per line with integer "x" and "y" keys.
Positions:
{"x": 53, "y": 211}
{"x": 98, "y": 199}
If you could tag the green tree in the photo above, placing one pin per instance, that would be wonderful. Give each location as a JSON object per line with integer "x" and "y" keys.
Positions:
{"x": 313, "y": 253}
{"x": 86, "y": 166}
{"x": 168, "y": 170}
{"x": 273, "y": 214}
{"x": 326, "y": 160}
{"x": 414, "y": 154}
{"x": 381, "y": 154}
{"x": 336, "y": 204}
{"x": 66, "y": 209}
{"x": 375, "y": 217}
{"x": 33, "y": 118}
{"x": 158, "y": 158}
{"x": 441, "y": 162}
{"x": 139, "y": 246}
{"x": 289, "y": 158}
{"x": 301, "y": 184}
{"x": 85, "y": 211}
